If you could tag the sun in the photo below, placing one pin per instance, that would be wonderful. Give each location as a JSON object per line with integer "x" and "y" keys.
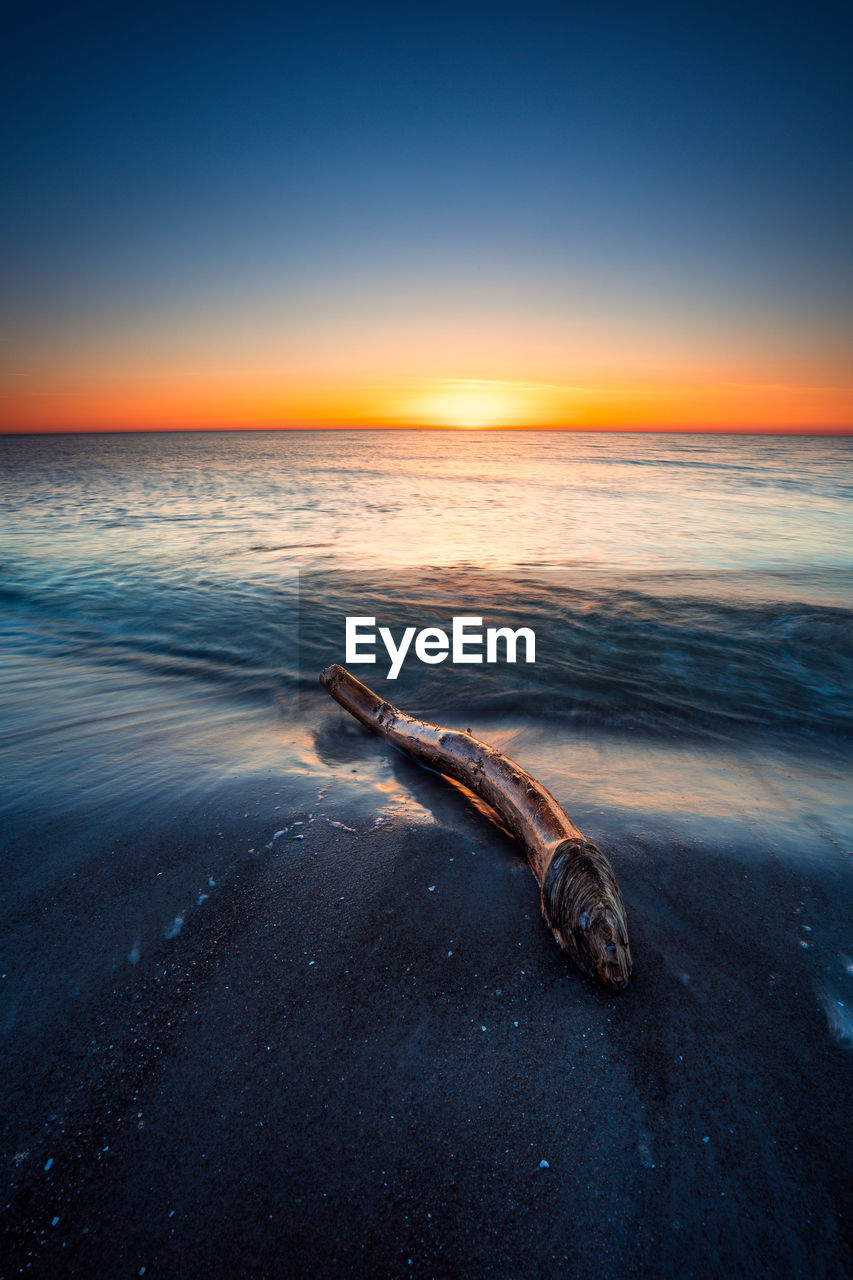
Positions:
{"x": 473, "y": 404}
{"x": 479, "y": 404}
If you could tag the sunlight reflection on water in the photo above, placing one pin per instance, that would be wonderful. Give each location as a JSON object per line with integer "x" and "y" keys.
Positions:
{"x": 180, "y": 503}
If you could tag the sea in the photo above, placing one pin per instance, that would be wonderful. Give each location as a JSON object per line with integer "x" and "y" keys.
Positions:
{"x": 167, "y": 602}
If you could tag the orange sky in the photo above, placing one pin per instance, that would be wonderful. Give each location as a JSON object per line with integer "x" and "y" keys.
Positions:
{"x": 447, "y": 403}
{"x": 621, "y": 371}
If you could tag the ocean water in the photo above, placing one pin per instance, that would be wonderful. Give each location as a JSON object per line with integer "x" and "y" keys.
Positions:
{"x": 153, "y": 587}
{"x": 167, "y": 601}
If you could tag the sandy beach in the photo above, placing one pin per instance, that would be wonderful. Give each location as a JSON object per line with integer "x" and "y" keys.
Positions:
{"x": 362, "y": 1054}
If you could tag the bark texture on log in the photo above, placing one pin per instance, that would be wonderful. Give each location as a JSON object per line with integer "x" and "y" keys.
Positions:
{"x": 580, "y": 896}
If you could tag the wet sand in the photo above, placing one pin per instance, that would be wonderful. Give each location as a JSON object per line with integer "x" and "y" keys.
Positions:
{"x": 361, "y": 1053}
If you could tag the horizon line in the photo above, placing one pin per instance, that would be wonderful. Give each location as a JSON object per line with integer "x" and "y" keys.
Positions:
{"x": 448, "y": 428}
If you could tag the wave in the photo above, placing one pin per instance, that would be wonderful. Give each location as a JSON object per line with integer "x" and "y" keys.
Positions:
{"x": 705, "y": 653}
{"x": 609, "y": 654}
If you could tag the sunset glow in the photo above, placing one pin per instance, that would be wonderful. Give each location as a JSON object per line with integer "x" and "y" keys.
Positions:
{"x": 129, "y": 401}
{"x": 473, "y": 404}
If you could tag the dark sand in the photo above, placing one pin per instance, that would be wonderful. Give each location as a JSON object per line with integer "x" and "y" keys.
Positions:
{"x": 306, "y": 1082}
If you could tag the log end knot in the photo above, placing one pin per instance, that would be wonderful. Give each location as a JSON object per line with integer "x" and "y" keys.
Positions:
{"x": 583, "y": 906}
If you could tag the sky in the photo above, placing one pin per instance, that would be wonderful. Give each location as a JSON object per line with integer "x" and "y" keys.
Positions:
{"x": 589, "y": 216}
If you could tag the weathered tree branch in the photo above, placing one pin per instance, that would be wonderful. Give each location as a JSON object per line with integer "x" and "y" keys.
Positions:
{"x": 581, "y": 901}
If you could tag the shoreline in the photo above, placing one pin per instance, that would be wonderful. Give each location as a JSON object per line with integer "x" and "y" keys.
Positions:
{"x": 249, "y": 952}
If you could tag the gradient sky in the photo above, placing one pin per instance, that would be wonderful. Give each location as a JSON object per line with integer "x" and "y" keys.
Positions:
{"x": 624, "y": 215}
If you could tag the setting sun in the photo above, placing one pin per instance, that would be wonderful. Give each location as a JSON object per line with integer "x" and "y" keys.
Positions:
{"x": 472, "y": 403}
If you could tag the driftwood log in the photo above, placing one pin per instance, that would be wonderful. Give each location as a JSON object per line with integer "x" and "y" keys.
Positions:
{"x": 581, "y": 901}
